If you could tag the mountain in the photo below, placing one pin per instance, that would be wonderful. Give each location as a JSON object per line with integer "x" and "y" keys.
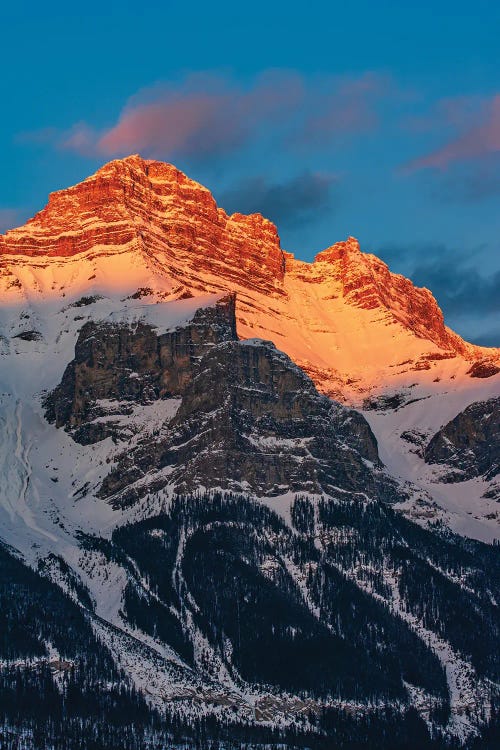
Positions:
{"x": 258, "y": 489}
{"x": 142, "y": 230}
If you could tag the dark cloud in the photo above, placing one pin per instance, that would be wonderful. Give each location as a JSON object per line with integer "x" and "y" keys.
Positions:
{"x": 467, "y": 291}
{"x": 472, "y": 184}
{"x": 489, "y": 338}
{"x": 287, "y": 204}
{"x": 9, "y": 218}
{"x": 459, "y": 289}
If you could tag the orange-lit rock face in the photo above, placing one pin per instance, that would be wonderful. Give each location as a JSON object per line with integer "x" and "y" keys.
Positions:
{"x": 367, "y": 283}
{"x": 159, "y": 210}
{"x": 142, "y": 229}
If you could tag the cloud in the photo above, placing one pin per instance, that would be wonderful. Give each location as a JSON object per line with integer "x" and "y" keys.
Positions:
{"x": 478, "y": 136}
{"x": 466, "y": 289}
{"x": 208, "y": 115}
{"x": 456, "y": 112}
{"x": 470, "y": 183}
{"x": 9, "y": 218}
{"x": 459, "y": 288}
{"x": 288, "y": 204}
{"x": 491, "y": 337}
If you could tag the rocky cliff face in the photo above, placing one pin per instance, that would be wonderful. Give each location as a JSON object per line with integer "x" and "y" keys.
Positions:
{"x": 123, "y": 363}
{"x": 470, "y": 443}
{"x": 366, "y": 282}
{"x": 249, "y": 419}
{"x": 228, "y": 532}
{"x": 139, "y": 236}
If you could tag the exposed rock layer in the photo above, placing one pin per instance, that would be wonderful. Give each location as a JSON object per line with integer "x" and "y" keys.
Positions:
{"x": 249, "y": 419}
{"x": 156, "y": 208}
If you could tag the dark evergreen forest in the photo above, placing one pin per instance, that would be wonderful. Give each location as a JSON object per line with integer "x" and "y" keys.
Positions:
{"x": 286, "y": 599}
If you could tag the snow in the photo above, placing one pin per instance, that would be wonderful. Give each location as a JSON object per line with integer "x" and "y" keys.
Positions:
{"x": 460, "y": 504}
{"x": 164, "y": 317}
{"x": 468, "y": 694}
{"x": 47, "y": 481}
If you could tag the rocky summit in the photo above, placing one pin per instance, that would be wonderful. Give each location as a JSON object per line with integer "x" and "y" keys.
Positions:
{"x": 245, "y": 501}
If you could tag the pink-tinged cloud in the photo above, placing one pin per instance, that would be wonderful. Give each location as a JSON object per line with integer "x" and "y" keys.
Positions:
{"x": 209, "y": 115}
{"x": 457, "y": 112}
{"x": 367, "y": 84}
{"x": 80, "y": 138}
{"x": 354, "y": 116}
{"x": 198, "y": 124}
{"x": 206, "y": 116}
{"x": 476, "y": 141}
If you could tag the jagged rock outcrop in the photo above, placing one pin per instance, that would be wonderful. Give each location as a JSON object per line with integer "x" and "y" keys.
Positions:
{"x": 470, "y": 443}
{"x": 484, "y": 368}
{"x": 133, "y": 363}
{"x": 367, "y": 283}
{"x": 230, "y": 553}
{"x": 140, "y": 234}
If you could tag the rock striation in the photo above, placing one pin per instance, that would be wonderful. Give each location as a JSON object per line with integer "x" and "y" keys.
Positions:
{"x": 249, "y": 419}
{"x": 154, "y": 208}
{"x": 231, "y": 542}
{"x": 366, "y": 282}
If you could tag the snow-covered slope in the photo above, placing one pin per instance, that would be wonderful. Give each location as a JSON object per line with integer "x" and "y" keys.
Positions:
{"x": 469, "y": 507}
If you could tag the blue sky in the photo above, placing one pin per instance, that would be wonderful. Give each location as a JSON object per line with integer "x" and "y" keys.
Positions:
{"x": 374, "y": 119}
